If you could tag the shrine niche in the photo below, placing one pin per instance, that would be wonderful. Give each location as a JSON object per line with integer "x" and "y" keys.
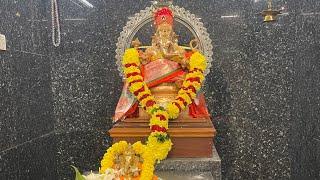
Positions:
{"x": 164, "y": 56}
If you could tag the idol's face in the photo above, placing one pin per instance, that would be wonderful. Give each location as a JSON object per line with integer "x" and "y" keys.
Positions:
{"x": 164, "y": 30}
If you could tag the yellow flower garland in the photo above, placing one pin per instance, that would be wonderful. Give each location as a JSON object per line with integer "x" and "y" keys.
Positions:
{"x": 158, "y": 143}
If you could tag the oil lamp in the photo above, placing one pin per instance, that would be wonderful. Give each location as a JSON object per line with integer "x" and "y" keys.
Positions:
{"x": 270, "y": 14}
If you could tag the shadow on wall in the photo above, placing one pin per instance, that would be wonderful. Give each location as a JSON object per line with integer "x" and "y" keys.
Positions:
{"x": 219, "y": 104}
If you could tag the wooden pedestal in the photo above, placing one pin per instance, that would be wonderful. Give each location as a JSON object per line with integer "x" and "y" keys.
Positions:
{"x": 191, "y": 137}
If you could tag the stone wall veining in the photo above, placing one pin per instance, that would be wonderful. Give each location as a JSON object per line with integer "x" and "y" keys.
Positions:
{"x": 263, "y": 89}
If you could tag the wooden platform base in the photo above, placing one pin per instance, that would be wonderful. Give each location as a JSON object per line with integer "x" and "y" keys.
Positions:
{"x": 191, "y": 137}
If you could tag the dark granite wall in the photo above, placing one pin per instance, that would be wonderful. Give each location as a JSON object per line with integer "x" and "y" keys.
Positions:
{"x": 27, "y": 147}
{"x": 263, "y": 89}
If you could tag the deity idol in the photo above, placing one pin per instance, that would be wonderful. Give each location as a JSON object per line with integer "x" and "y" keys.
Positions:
{"x": 164, "y": 65}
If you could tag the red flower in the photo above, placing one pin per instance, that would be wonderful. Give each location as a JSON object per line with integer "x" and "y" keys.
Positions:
{"x": 178, "y": 105}
{"x": 183, "y": 101}
{"x": 158, "y": 128}
{"x": 144, "y": 96}
{"x": 136, "y": 93}
{"x": 162, "y": 117}
{"x": 187, "y": 55}
{"x": 135, "y": 81}
{"x": 132, "y": 74}
{"x": 130, "y": 64}
{"x": 150, "y": 103}
{"x": 194, "y": 79}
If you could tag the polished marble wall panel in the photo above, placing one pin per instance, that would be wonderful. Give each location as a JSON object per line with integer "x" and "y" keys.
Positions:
{"x": 258, "y": 77}
{"x": 34, "y": 159}
{"x": 305, "y": 130}
{"x": 263, "y": 89}
{"x": 82, "y": 149}
{"x": 26, "y": 103}
{"x": 82, "y": 85}
{"x": 27, "y": 148}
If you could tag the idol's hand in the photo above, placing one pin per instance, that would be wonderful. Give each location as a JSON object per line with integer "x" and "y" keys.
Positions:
{"x": 145, "y": 58}
{"x": 184, "y": 63}
{"x": 172, "y": 55}
{"x": 194, "y": 45}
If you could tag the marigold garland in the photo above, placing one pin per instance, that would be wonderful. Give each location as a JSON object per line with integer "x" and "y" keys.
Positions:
{"x": 158, "y": 143}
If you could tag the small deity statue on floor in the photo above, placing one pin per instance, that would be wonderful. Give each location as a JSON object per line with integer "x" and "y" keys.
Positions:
{"x": 128, "y": 164}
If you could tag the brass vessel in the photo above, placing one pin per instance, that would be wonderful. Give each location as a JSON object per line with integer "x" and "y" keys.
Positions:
{"x": 270, "y": 14}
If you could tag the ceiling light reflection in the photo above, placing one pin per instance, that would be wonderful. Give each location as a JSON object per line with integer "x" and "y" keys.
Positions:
{"x": 230, "y": 16}
{"x": 310, "y": 14}
{"x": 86, "y": 3}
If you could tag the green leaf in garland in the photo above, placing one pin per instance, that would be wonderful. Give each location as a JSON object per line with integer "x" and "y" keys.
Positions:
{"x": 78, "y": 174}
{"x": 162, "y": 138}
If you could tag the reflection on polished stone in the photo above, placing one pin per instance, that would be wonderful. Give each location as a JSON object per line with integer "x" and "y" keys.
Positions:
{"x": 263, "y": 95}
{"x": 176, "y": 175}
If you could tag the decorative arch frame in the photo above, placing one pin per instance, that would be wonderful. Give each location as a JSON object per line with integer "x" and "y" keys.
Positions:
{"x": 181, "y": 15}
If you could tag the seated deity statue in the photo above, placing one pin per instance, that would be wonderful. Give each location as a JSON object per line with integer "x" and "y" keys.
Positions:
{"x": 164, "y": 65}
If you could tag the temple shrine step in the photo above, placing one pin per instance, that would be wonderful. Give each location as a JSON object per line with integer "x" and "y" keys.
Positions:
{"x": 181, "y": 175}
{"x": 192, "y": 138}
{"x": 190, "y": 168}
